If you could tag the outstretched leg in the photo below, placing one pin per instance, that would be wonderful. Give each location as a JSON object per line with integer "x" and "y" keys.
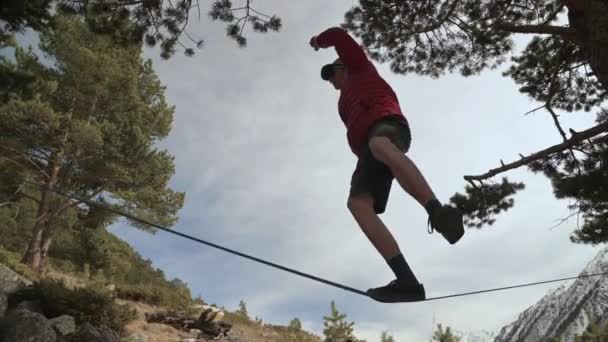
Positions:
{"x": 447, "y": 220}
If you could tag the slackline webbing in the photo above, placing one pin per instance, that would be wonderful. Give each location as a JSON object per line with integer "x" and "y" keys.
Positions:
{"x": 287, "y": 269}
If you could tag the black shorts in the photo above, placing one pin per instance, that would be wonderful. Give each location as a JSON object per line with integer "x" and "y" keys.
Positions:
{"x": 372, "y": 176}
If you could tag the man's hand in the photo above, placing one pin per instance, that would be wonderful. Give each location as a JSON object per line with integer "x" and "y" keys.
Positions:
{"x": 313, "y": 43}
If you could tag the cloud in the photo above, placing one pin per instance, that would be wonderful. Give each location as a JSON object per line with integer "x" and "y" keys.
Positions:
{"x": 262, "y": 155}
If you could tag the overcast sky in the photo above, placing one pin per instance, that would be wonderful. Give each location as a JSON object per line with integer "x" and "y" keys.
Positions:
{"x": 262, "y": 156}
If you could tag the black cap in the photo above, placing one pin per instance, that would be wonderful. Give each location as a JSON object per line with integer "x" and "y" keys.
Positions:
{"x": 327, "y": 69}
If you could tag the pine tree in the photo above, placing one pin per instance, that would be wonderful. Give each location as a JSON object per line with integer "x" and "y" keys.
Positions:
{"x": 295, "y": 324}
{"x": 337, "y": 329}
{"x": 242, "y": 310}
{"x": 151, "y": 21}
{"x": 594, "y": 332}
{"x": 564, "y": 66}
{"x": 385, "y": 337}
{"x": 444, "y": 335}
{"x": 87, "y": 125}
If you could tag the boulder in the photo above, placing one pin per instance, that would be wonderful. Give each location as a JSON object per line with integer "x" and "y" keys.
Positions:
{"x": 136, "y": 337}
{"x": 29, "y": 305}
{"x": 26, "y": 326}
{"x": 63, "y": 325}
{"x": 11, "y": 281}
{"x": 3, "y": 304}
{"x": 89, "y": 333}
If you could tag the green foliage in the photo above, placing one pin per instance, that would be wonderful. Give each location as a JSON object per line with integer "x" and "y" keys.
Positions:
{"x": 444, "y": 335}
{"x": 295, "y": 324}
{"x": 222, "y": 10}
{"x": 238, "y": 319}
{"x": 543, "y": 71}
{"x": 242, "y": 310}
{"x": 337, "y": 329}
{"x": 17, "y": 14}
{"x": 291, "y": 334}
{"x": 94, "y": 116}
{"x": 439, "y": 36}
{"x": 561, "y": 66}
{"x": 13, "y": 261}
{"x": 385, "y": 337}
{"x": 84, "y": 304}
{"x": 594, "y": 333}
{"x": 108, "y": 259}
{"x": 155, "y": 294}
{"x": 482, "y": 203}
{"x": 149, "y": 21}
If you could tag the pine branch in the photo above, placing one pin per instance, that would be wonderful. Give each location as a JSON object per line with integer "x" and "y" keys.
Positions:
{"x": 23, "y": 156}
{"x": 539, "y": 29}
{"x": 577, "y": 137}
{"x": 441, "y": 21}
{"x": 68, "y": 203}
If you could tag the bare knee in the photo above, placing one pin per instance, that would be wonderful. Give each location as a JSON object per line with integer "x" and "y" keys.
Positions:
{"x": 360, "y": 203}
{"x": 381, "y": 147}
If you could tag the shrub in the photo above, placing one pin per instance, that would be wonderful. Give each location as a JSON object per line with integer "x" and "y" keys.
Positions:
{"x": 86, "y": 304}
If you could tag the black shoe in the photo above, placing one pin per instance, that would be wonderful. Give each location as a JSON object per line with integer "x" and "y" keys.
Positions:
{"x": 398, "y": 291}
{"x": 448, "y": 221}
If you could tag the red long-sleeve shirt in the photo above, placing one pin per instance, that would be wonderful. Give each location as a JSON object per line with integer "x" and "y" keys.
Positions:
{"x": 365, "y": 96}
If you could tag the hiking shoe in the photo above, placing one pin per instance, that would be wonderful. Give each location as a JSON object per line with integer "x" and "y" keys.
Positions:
{"x": 448, "y": 221}
{"x": 398, "y": 291}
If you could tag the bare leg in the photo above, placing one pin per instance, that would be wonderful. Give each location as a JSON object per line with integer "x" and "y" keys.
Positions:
{"x": 362, "y": 208}
{"x": 403, "y": 168}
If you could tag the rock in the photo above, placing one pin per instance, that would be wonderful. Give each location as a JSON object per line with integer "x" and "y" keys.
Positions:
{"x": 181, "y": 322}
{"x": 195, "y": 332}
{"x": 63, "y": 325}
{"x": 11, "y": 281}
{"x": 210, "y": 313}
{"x": 30, "y": 305}
{"x": 188, "y": 340}
{"x": 26, "y": 326}
{"x": 89, "y": 333}
{"x": 136, "y": 337}
{"x": 3, "y": 304}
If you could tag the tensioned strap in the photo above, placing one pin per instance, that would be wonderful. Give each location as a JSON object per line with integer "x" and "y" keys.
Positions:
{"x": 302, "y": 274}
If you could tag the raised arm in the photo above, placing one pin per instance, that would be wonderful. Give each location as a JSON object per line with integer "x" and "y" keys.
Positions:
{"x": 350, "y": 53}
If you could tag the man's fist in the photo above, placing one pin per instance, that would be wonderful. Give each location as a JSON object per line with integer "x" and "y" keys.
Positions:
{"x": 313, "y": 43}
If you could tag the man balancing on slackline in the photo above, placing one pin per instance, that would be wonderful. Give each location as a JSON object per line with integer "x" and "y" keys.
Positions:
{"x": 379, "y": 135}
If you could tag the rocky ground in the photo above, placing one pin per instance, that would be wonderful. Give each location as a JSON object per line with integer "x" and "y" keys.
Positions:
{"x": 25, "y": 322}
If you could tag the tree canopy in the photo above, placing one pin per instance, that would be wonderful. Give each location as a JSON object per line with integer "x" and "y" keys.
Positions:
{"x": 564, "y": 66}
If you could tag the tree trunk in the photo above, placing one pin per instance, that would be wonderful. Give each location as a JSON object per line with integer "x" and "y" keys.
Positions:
{"x": 33, "y": 255}
{"x": 47, "y": 239}
{"x": 590, "y": 20}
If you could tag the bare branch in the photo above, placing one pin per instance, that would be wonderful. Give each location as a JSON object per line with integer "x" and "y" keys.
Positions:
{"x": 556, "y": 121}
{"x": 534, "y": 110}
{"x": 576, "y": 138}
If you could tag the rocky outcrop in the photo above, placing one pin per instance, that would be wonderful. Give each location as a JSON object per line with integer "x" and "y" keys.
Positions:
{"x": 89, "y": 332}
{"x": 206, "y": 323}
{"x": 25, "y": 321}
{"x": 566, "y": 311}
{"x": 11, "y": 281}
{"x": 26, "y": 326}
